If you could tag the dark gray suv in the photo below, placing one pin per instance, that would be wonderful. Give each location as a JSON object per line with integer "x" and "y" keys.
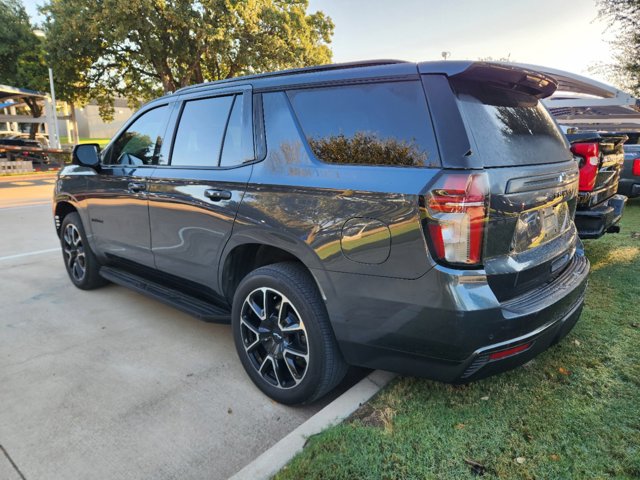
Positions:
{"x": 408, "y": 217}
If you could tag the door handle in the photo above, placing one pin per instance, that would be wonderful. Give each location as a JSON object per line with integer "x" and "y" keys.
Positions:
{"x": 217, "y": 195}
{"x": 135, "y": 187}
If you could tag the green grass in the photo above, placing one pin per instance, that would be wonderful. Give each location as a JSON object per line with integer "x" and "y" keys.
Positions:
{"x": 574, "y": 412}
{"x": 100, "y": 141}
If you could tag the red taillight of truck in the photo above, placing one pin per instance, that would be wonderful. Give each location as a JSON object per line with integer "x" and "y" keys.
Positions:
{"x": 590, "y": 154}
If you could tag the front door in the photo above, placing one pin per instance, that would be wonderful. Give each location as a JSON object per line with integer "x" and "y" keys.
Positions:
{"x": 117, "y": 204}
{"x": 194, "y": 200}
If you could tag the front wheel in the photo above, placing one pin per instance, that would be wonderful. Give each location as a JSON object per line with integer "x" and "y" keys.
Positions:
{"x": 282, "y": 334}
{"x": 79, "y": 260}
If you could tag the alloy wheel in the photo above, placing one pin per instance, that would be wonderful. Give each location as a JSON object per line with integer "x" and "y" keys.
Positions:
{"x": 274, "y": 338}
{"x": 74, "y": 254}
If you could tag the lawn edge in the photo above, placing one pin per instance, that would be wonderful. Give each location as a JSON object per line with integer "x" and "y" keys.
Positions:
{"x": 275, "y": 458}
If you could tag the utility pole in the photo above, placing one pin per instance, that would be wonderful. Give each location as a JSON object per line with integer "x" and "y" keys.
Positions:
{"x": 56, "y": 133}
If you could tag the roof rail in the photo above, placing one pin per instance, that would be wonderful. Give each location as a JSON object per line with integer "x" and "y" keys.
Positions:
{"x": 292, "y": 71}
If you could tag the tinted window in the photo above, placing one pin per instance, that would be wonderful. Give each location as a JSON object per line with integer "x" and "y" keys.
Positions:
{"x": 199, "y": 136}
{"x": 140, "y": 144}
{"x": 372, "y": 124}
{"x": 510, "y": 128}
{"x": 238, "y": 139}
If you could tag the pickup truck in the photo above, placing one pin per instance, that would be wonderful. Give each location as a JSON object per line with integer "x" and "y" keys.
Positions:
{"x": 600, "y": 160}
{"x": 630, "y": 175}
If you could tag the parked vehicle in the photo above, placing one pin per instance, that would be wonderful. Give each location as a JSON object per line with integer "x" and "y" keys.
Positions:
{"x": 630, "y": 176}
{"x": 41, "y": 138}
{"x": 633, "y": 137}
{"x": 409, "y": 217}
{"x": 600, "y": 158}
{"x": 17, "y": 141}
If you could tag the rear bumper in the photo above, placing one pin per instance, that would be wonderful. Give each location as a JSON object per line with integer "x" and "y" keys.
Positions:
{"x": 629, "y": 187}
{"x": 596, "y": 221}
{"x": 481, "y": 364}
{"x": 448, "y": 331}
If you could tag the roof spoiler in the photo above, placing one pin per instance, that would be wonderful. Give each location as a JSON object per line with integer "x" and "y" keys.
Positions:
{"x": 510, "y": 77}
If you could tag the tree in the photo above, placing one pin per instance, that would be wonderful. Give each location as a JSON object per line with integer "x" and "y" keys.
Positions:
{"x": 141, "y": 49}
{"x": 22, "y": 59}
{"x": 624, "y": 16}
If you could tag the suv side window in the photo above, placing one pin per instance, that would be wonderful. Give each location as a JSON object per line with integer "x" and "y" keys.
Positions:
{"x": 200, "y": 132}
{"x": 368, "y": 124}
{"x": 141, "y": 142}
{"x": 238, "y": 137}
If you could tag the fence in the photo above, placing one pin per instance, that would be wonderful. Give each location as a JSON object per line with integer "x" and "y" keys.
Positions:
{"x": 15, "y": 166}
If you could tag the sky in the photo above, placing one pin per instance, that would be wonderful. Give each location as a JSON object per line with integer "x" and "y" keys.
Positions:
{"x": 563, "y": 34}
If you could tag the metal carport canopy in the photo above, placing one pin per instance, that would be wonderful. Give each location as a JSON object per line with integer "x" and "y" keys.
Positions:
{"x": 580, "y": 100}
{"x": 7, "y": 92}
{"x": 577, "y": 84}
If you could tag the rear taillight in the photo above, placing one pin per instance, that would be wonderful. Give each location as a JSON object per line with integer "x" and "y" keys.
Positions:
{"x": 455, "y": 213}
{"x": 635, "y": 169}
{"x": 590, "y": 152}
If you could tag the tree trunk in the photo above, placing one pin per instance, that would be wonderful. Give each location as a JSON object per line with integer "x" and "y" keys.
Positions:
{"x": 36, "y": 111}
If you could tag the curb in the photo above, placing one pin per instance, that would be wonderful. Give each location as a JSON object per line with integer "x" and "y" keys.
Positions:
{"x": 275, "y": 458}
{"x": 29, "y": 176}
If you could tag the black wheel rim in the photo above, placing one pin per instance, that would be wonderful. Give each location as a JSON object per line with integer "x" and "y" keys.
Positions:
{"x": 73, "y": 251}
{"x": 274, "y": 338}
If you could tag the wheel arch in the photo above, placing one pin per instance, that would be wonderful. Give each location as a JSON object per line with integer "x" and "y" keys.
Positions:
{"x": 63, "y": 208}
{"x": 241, "y": 257}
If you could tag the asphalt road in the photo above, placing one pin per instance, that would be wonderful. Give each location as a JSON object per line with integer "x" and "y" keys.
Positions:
{"x": 108, "y": 384}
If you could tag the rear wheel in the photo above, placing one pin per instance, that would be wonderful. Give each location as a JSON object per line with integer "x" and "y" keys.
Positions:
{"x": 282, "y": 334}
{"x": 79, "y": 260}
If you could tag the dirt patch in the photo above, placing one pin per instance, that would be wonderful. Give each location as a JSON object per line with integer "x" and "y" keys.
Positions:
{"x": 369, "y": 416}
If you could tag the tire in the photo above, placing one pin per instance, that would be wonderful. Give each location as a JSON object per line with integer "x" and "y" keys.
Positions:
{"x": 272, "y": 342}
{"x": 79, "y": 260}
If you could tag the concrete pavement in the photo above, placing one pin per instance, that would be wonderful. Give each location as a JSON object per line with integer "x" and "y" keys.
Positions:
{"x": 26, "y": 190}
{"x": 108, "y": 384}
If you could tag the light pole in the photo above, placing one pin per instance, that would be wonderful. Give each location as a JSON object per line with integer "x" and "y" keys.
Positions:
{"x": 52, "y": 90}
{"x": 56, "y": 133}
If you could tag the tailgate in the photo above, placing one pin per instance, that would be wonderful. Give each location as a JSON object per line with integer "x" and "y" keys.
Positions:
{"x": 533, "y": 178}
{"x": 611, "y": 162}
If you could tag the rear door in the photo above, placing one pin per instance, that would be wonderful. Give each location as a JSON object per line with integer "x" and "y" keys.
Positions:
{"x": 533, "y": 179}
{"x": 193, "y": 200}
{"x": 117, "y": 201}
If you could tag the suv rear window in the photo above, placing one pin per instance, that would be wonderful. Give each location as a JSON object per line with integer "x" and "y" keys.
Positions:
{"x": 369, "y": 124}
{"x": 510, "y": 128}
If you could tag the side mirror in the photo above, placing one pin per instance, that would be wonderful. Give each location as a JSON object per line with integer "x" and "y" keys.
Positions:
{"x": 86, "y": 155}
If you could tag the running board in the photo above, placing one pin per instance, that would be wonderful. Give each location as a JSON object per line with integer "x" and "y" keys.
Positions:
{"x": 198, "y": 308}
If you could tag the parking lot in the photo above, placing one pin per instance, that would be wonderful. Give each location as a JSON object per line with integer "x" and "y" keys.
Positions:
{"x": 109, "y": 384}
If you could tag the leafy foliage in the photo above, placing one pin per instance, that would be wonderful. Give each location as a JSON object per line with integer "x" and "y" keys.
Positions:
{"x": 144, "y": 48}
{"x": 367, "y": 149}
{"x": 22, "y": 62}
{"x": 624, "y": 16}
{"x": 16, "y": 39}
